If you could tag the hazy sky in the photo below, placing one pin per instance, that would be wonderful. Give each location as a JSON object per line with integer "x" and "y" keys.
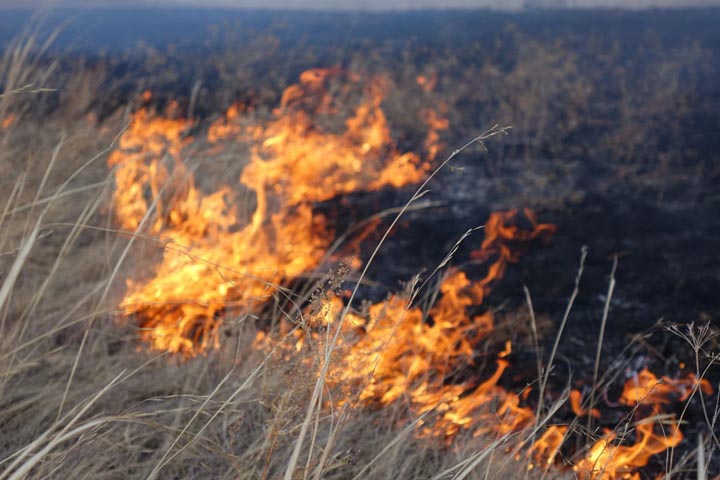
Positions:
{"x": 372, "y": 4}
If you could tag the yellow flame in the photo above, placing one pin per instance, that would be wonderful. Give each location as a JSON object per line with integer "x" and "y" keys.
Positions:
{"x": 212, "y": 260}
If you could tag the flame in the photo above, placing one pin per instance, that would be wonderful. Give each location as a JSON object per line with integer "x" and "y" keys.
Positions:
{"x": 609, "y": 458}
{"x": 217, "y": 261}
{"x": 403, "y": 354}
{"x": 576, "y": 405}
{"x": 214, "y": 260}
{"x": 646, "y": 389}
{"x": 607, "y": 461}
{"x": 8, "y": 121}
{"x": 546, "y": 448}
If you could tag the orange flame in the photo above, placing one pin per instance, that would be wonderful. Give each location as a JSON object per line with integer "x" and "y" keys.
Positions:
{"x": 547, "y": 447}
{"x": 576, "y": 405}
{"x": 213, "y": 260}
{"x": 216, "y": 261}
{"x": 646, "y": 389}
{"x": 401, "y": 353}
{"x": 607, "y": 461}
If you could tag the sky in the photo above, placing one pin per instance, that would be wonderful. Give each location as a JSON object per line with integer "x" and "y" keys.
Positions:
{"x": 371, "y": 4}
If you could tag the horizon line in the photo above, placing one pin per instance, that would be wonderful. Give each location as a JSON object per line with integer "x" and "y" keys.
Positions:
{"x": 517, "y": 6}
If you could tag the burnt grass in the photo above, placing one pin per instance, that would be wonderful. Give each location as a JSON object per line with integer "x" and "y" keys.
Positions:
{"x": 668, "y": 273}
{"x": 664, "y": 234}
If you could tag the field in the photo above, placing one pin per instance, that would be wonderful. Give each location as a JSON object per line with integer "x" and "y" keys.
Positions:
{"x": 400, "y": 245}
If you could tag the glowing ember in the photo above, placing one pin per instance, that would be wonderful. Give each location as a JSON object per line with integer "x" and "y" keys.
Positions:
{"x": 8, "y": 121}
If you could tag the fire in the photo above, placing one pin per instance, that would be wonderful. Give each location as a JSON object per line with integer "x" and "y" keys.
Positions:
{"x": 213, "y": 259}
{"x": 646, "y": 389}
{"x": 546, "y": 448}
{"x": 399, "y": 355}
{"x": 610, "y": 457}
{"x": 219, "y": 261}
{"x": 607, "y": 461}
{"x": 404, "y": 354}
{"x": 654, "y": 434}
{"x": 294, "y": 160}
{"x": 576, "y": 405}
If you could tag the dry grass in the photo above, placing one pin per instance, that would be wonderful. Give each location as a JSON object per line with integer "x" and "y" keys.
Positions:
{"x": 80, "y": 396}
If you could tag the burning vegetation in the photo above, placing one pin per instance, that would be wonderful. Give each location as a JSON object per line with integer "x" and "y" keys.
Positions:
{"x": 230, "y": 282}
{"x": 433, "y": 360}
{"x": 212, "y": 262}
